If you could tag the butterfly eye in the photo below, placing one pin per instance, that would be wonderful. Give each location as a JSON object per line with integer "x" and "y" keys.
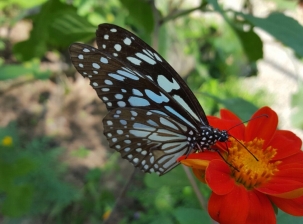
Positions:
{"x": 153, "y": 117}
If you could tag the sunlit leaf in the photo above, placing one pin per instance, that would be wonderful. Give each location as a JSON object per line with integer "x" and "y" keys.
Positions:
{"x": 282, "y": 27}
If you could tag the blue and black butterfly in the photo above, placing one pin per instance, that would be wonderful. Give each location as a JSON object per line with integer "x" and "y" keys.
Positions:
{"x": 153, "y": 117}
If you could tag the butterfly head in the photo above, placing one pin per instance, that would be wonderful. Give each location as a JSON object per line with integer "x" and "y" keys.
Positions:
{"x": 222, "y": 135}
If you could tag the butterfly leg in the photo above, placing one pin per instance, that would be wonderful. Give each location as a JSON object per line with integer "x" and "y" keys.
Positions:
{"x": 218, "y": 151}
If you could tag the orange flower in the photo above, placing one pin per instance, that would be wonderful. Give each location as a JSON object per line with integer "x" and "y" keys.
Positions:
{"x": 248, "y": 194}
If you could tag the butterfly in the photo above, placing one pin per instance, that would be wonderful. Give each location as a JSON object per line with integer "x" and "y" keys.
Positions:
{"x": 153, "y": 116}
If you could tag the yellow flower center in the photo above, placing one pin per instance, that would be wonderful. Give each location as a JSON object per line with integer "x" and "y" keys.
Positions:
{"x": 251, "y": 172}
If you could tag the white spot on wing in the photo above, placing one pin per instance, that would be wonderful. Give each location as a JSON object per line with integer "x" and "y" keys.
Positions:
{"x": 108, "y": 82}
{"x": 80, "y": 56}
{"x": 138, "y": 102}
{"x": 86, "y": 50}
{"x": 106, "y": 36}
{"x": 179, "y": 116}
{"x": 105, "y": 89}
{"x": 118, "y": 96}
{"x": 133, "y": 60}
{"x": 146, "y": 58}
{"x": 117, "y": 47}
{"x": 113, "y": 30}
{"x": 185, "y": 105}
{"x": 156, "y": 98}
{"x": 127, "y": 41}
{"x": 96, "y": 66}
{"x": 157, "y": 57}
{"x": 168, "y": 123}
{"x": 104, "y": 60}
{"x": 121, "y": 104}
{"x": 167, "y": 85}
{"x": 137, "y": 92}
{"x": 127, "y": 74}
{"x": 117, "y": 77}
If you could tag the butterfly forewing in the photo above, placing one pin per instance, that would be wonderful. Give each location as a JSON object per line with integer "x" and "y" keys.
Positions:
{"x": 120, "y": 85}
{"x": 135, "y": 53}
{"x": 151, "y": 141}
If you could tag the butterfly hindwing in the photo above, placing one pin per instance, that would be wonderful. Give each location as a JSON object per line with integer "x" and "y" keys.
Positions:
{"x": 151, "y": 141}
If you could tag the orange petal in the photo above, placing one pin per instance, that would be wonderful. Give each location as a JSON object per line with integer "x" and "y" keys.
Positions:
{"x": 290, "y": 206}
{"x": 195, "y": 163}
{"x": 262, "y": 127}
{"x": 260, "y": 209}
{"x": 228, "y": 115}
{"x": 231, "y": 208}
{"x": 286, "y": 143}
{"x": 286, "y": 183}
{"x": 200, "y": 174}
{"x": 219, "y": 178}
{"x": 198, "y": 160}
{"x": 297, "y": 158}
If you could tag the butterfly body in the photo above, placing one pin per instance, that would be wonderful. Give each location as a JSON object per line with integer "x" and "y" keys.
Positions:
{"x": 154, "y": 118}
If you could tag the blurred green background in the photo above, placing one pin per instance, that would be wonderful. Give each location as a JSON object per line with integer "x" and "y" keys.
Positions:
{"x": 55, "y": 164}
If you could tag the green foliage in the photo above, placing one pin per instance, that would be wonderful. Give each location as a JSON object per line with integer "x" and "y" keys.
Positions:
{"x": 50, "y": 30}
{"x": 167, "y": 198}
{"x": 284, "y": 218}
{"x": 91, "y": 203}
{"x": 29, "y": 70}
{"x": 30, "y": 176}
{"x": 81, "y": 152}
{"x": 283, "y": 28}
{"x": 21, "y": 3}
{"x": 143, "y": 17}
{"x": 190, "y": 215}
{"x": 251, "y": 42}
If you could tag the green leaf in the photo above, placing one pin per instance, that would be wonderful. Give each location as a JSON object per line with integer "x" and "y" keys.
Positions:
{"x": 162, "y": 219}
{"x": 243, "y": 108}
{"x": 141, "y": 12}
{"x": 192, "y": 216}
{"x": 29, "y": 69}
{"x": 70, "y": 27}
{"x": 283, "y": 28}
{"x": 21, "y": 3}
{"x": 56, "y": 24}
{"x": 284, "y": 218}
{"x": 174, "y": 179}
{"x": 251, "y": 43}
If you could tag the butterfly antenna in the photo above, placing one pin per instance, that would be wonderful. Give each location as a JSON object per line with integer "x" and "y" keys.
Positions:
{"x": 218, "y": 151}
{"x": 262, "y": 115}
{"x": 245, "y": 148}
